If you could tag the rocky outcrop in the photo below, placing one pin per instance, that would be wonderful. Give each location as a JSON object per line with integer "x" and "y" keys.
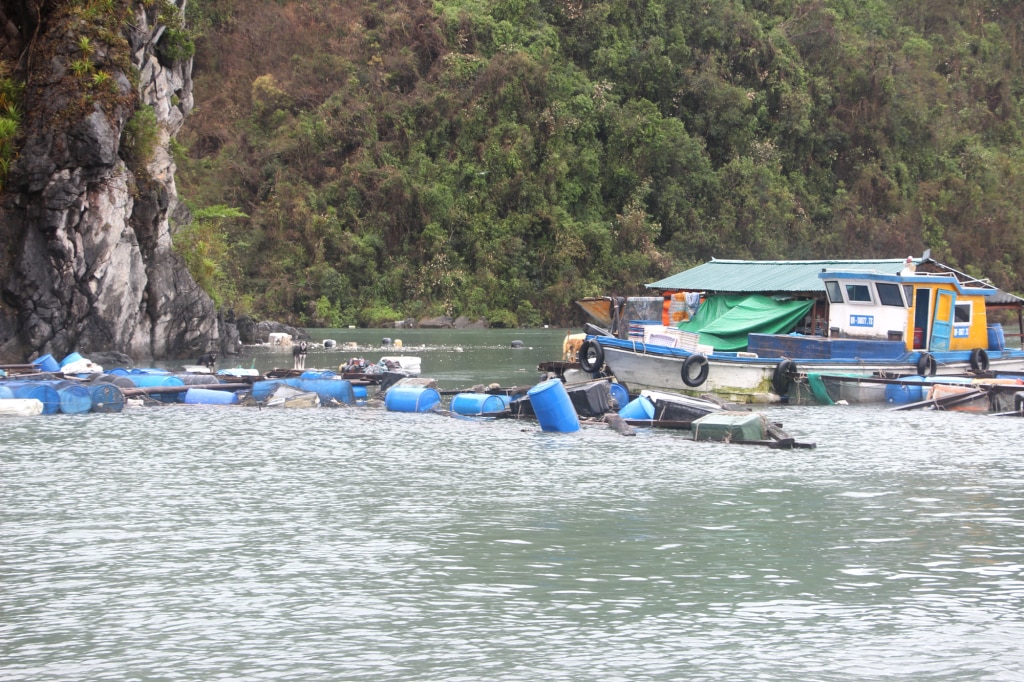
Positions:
{"x": 440, "y": 322}
{"x": 250, "y": 332}
{"x": 90, "y": 262}
{"x": 463, "y": 322}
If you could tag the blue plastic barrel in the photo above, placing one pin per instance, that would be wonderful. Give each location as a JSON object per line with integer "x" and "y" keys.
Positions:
{"x": 411, "y": 399}
{"x": 476, "y": 404}
{"x": 620, "y": 394}
{"x": 69, "y": 358}
{"x": 261, "y": 390}
{"x": 638, "y": 408}
{"x": 318, "y": 374}
{"x": 5, "y": 392}
{"x": 106, "y": 397}
{"x": 118, "y": 371}
{"x": 44, "y": 393}
{"x": 553, "y": 407}
{"x": 154, "y": 380}
{"x": 904, "y": 393}
{"x": 338, "y": 389}
{"x": 120, "y": 380}
{"x": 46, "y": 363}
{"x": 996, "y": 337}
{"x": 74, "y": 398}
{"x": 360, "y": 392}
{"x": 209, "y": 396}
{"x": 148, "y": 380}
{"x": 148, "y": 370}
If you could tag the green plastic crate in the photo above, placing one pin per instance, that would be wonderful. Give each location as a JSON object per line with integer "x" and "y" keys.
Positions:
{"x": 729, "y": 426}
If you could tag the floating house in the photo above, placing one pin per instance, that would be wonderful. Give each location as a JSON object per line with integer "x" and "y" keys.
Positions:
{"x": 750, "y": 328}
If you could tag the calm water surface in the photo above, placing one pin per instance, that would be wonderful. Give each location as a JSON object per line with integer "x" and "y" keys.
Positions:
{"x": 219, "y": 543}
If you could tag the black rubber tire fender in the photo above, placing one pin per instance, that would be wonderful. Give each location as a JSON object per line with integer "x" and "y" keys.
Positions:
{"x": 686, "y": 373}
{"x": 979, "y": 360}
{"x": 590, "y": 356}
{"x": 926, "y": 365}
{"x": 784, "y": 375}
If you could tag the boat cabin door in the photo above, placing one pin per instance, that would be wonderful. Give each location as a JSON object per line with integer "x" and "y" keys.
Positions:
{"x": 942, "y": 320}
{"x": 922, "y": 310}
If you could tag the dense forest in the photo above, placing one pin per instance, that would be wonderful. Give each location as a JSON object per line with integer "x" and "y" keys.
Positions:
{"x": 360, "y": 161}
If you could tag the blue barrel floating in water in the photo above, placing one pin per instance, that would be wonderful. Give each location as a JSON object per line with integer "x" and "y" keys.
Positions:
{"x": 911, "y": 392}
{"x": 44, "y": 393}
{"x": 360, "y": 392}
{"x": 338, "y": 389}
{"x": 118, "y": 371}
{"x": 620, "y": 394}
{"x": 147, "y": 380}
{"x": 638, "y": 408}
{"x": 261, "y": 390}
{"x": 553, "y": 407}
{"x": 411, "y": 399}
{"x": 148, "y": 370}
{"x": 69, "y": 358}
{"x": 318, "y": 374}
{"x": 46, "y": 363}
{"x": 5, "y": 392}
{"x": 209, "y": 396}
{"x": 153, "y": 380}
{"x": 106, "y": 397}
{"x": 477, "y": 404}
{"x": 74, "y": 398}
{"x": 119, "y": 380}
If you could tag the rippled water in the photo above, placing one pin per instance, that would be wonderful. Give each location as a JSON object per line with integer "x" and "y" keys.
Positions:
{"x": 201, "y": 543}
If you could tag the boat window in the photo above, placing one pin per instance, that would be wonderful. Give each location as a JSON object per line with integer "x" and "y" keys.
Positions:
{"x": 889, "y": 294}
{"x": 908, "y": 293}
{"x": 962, "y": 312}
{"x": 835, "y": 294}
{"x": 858, "y": 293}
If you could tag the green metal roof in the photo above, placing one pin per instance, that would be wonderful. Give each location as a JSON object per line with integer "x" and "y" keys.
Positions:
{"x": 768, "y": 276}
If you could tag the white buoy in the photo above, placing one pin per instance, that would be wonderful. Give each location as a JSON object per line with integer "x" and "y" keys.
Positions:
{"x": 21, "y": 407}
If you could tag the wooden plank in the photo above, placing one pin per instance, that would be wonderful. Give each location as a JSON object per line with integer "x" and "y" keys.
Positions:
{"x": 660, "y": 423}
{"x": 789, "y": 444}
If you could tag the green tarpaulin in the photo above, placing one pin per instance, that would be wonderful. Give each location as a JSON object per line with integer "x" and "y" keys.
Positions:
{"x": 725, "y": 321}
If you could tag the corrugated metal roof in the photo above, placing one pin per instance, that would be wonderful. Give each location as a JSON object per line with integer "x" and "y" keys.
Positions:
{"x": 767, "y": 276}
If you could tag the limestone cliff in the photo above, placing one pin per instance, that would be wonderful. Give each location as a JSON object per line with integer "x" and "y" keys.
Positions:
{"x": 88, "y": 207}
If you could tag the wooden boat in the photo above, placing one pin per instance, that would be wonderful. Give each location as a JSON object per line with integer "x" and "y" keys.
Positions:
{"x": 891, "y": 321}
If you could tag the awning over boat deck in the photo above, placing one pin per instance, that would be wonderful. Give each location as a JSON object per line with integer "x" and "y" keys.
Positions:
{"x": 767, "y": 277}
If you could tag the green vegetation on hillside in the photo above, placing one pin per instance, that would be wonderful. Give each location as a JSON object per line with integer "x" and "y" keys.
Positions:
{"x": 504, "y": 157}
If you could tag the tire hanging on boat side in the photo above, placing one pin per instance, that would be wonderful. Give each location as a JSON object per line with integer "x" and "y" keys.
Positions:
{"x": 783, "y": 377}
{"x": 591, "y": 355}
{"x": 691, "y": 380}
{"x": 926, "y": 365}
{"x": 979, "y": 360}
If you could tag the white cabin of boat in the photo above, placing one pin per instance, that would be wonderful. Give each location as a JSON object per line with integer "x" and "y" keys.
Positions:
{"x": 927, "y": 311}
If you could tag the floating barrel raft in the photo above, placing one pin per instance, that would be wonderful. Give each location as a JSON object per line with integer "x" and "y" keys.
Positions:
{"x": 557, "y": 406}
